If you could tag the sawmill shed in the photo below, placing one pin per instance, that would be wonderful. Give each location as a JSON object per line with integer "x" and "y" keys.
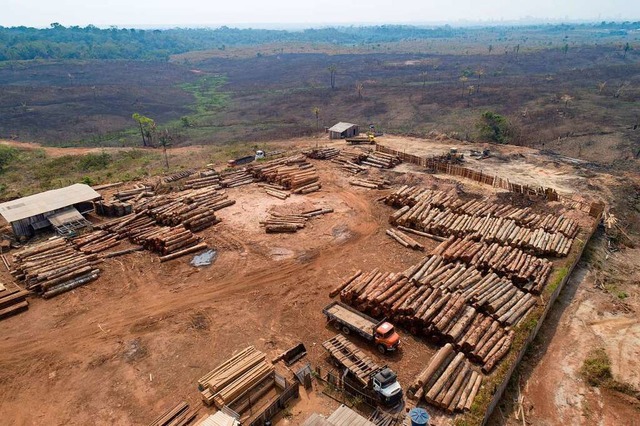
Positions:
{"x": 61, "y": 208}
{"x": 344, "y": 130}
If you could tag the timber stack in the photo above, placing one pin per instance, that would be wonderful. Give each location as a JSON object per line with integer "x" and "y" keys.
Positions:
{"x": 54, "y": 267}
{"x": 371, "y": 183}
{"x": 233, "y": 178}
{"x": 13, "y": 300}
{"x": 179, "y": 415}
{"x": 322, "y": 153}
{"x": 290, "y": 223}
{"x": 404, "y": 239}
{"x": 527, "y": 271}
{"x": 293, "y": 173}
{"x": 178, "y": 176}
{"x": 112, "y": 208}
{"x": 439, "y": 213}
{"x": 277, "y": 191}
{"x": 235, "y": 377}
{"x": 381, "y": 160}
{"x": 350, "y": 161}
{"x": 138, "y": 191}
{"x": 206, "y": 179}
{"x": 170, "y": 242}
{"x": 448, "y": 382}
{"x": 96, "y": 241}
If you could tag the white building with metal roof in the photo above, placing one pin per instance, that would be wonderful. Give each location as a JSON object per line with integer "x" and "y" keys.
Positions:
{"x": 343, "y": 130}
{"x": 58, "y": 207}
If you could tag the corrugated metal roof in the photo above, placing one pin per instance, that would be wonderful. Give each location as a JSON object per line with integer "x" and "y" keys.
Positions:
{"x": 70, "y": 214}
{"x": 46, "y": 201}
{"x": 341, "y": 127}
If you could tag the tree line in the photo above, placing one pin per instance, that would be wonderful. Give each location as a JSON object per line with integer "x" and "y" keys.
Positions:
{"x": 91, "y": 42}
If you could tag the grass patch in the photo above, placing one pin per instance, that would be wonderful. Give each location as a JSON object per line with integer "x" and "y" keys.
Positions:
{"x": 596, "y": 369}
{"x": 207, "y": 93}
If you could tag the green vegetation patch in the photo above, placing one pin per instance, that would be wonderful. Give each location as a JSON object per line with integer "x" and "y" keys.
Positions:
{"x": 596, "y": 369}
{"x": 209, "y": 97}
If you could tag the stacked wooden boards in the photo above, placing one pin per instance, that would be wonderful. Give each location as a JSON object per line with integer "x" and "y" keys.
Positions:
{"x": 12, "y": 300}
{"x": 179, "y": 415}
{"x": 348, "y": 355}
{"x": 449, "y": 381}
{"x": 235, "y": 377}
{"x": 54, "y": 267}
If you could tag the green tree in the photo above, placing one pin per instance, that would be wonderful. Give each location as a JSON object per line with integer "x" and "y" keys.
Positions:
{"x": 147, "y": 128}
{"x": 626, "y": 48}
{"x": 565, "y": 48}
{"x": 316, "y": 112}
{"x": 493, "y": 127}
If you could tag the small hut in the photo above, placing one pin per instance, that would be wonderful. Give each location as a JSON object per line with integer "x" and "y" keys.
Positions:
{"x": 343, "y": 130}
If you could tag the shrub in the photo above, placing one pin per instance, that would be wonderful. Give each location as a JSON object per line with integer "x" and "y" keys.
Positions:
{"x": 596, "y": 369}
{"x": 494, "y": 127}
{"x": 7, "y": 154}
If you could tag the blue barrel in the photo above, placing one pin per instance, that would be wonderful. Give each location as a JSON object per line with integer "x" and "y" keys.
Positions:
{"x": 419, "y": 417}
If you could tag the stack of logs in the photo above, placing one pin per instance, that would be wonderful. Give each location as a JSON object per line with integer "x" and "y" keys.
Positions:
{"x": 178, "y": 175}
{"x": 233, "y": 178}
{"x": 112, "y": 208}
{"x": 293, "y": 173}
{"x": 180, "y": 415}
{"x": 529, "y": 272}
{"x": 235, "y": 377}
{"x": 371, "y": 183}
{"x": 349, "y": 161}
{"x": 171, "y": 242}
{"x": 277, "y": 191}
{"x": 381, "y": 160}
{"x": 289, "y": 223}
{"x": 54, "y": 267}
{"x": 96, "y": 241}
{"x": 322, "y": 153}
{"x": 405, "y": 240}
{"x": 448, "y": 382}
{"x": 137, "y": 192}
{"x": 445, "y": 301}
{"x": 206, "y": 179}
{"x": 436, "y": 212}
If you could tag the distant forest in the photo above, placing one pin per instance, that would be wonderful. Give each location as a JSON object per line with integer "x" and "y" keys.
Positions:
{"x": 90, "y": 42}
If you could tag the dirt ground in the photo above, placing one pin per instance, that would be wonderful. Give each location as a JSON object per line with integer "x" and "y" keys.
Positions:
{"x": 133, "y": 343}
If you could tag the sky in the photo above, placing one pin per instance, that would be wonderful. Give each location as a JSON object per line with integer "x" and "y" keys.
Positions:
{"x": 284, "y": 13}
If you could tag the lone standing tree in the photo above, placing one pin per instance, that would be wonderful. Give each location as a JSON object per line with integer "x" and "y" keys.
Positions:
{"x": 165, "y": 140}
{"x": 333, "y": 70}
{"x": 147, "y": 128}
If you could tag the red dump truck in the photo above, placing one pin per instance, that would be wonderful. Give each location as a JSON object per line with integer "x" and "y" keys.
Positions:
{"x": 381, "y": 333}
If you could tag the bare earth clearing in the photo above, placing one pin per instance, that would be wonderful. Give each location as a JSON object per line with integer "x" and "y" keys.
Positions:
{"x": 135, "y": 342}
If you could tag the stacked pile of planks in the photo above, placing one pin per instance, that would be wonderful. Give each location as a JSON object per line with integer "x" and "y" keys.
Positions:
{"x": 54, "y": 267}
{"x": 96, "y": 241}
{"x": 371, "y": 183}
{"x": 293, "y": 173}
{"x": 170, "y": 242}
{"x": 322, "y": 153}
{"x": 349, "y": 161}
{"x": 235, "y": 377}
{"x": 12, "y": 300}
{"x": 233, "y": 178}
{"x": 448, "y": 382}
{"x": 405, "y": 240}
{"x": 381, "y": 160}
{"x": 112, "y": 208}
{"x": 527, "y": 271}
{"x": 180, "y": 415}
{"x": 178, "y": 175}
{"x": 206, "y": 179}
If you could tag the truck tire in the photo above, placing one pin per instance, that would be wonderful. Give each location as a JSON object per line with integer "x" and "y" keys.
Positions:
{"x": 337, "y": 325}
{"x": 346, "y": 330}
{"x": 382, "y": 349}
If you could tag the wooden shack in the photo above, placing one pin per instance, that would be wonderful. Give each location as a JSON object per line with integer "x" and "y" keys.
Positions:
{"x": 343, "y": 131}
{"x": 61, "y": 208}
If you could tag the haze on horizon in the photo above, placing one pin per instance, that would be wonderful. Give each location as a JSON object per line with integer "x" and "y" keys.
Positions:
{"x": 165, "y": 13}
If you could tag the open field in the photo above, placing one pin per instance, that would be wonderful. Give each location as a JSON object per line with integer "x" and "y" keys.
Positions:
{"x": 135, "y": 341}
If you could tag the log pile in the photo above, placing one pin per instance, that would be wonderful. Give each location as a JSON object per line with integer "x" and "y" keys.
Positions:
{"x": 529, "y": 272}
{"x": 12, "y": 300}
{"x": 206, "y": 179}
{"x": 381, "y": 160}
{"x": 322, "y": 153}
{"x": 405, "y": 240}
{"x": 289, "y": 223}
{"x": 54, "y": 266}
{"x": 235, "y": 377}
{"x": 348, "y": 355}
{"x": 178, "y": 175}
{"x": 233, "y": 178}
{"x": 371, "y": 183}
{"x": 179, "y": 415}
{"x": 448, "y": 382}
{"x": 138, "y": 191}
{"x": 96, "y": 241}
{"x": 169, "y": 241}
{"x": 292, "y": 173}
{"x": 349, "y": 161}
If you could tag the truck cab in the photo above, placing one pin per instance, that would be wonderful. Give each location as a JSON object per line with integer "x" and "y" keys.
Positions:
{"x": 386, "y": 337}
{"x": 260, "y": 155}
{"x": 385, "y": 384}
